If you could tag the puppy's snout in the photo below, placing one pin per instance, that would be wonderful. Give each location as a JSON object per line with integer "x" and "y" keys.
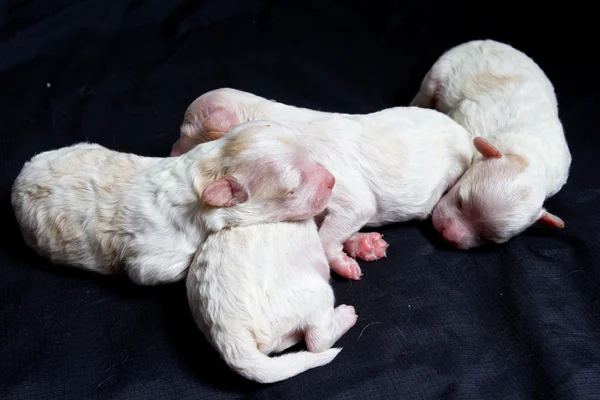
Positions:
{"x": 455, "y": 234}
{"x": 329, "y": 180}
{"x": 325, "y": 177}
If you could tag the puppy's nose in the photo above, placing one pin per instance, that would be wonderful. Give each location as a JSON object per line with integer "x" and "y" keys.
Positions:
{"x": 455, "y": 234}
{"x": 330, "y": 180}
{"x": 326, "y": 178}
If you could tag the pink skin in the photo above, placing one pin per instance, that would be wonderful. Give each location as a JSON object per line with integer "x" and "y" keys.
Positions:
{"x": 366, "y": 246}
{"x": 454, "y": 230}
{"x": 326, "y": 182}
{"x": 346, "y": 267}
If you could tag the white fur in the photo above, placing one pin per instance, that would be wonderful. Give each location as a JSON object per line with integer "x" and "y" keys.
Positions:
{"x": 500, "y": 94}
{"x": 101, "y": 210}
{"x": 260, "y": 289}
{"x": 390, "y": 166}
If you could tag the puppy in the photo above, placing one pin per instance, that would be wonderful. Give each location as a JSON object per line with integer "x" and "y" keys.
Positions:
{"x": 105, "y": 211}
{"x": 390, "y": 166}
{"x": 501, "y": 96}
{"x": 267, "y": 298}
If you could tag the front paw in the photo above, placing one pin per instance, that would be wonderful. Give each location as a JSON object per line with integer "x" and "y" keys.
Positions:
{"x": 366, "y": 246}
{"x": 346, "y": 267}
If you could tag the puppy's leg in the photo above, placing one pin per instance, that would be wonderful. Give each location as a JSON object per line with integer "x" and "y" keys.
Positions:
{"x": 344, "y": 218}
{"x": 286, "y": 342}
{"x": 366, "y": 246}
{"x": 321, "y": 335}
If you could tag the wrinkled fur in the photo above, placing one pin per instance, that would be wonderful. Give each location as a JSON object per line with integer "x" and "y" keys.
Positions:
{"x": 390, "y": 166}
{"x": 267, "y": 298}
{"x": 105, "y": 211}
{"x": 501, "y": 95}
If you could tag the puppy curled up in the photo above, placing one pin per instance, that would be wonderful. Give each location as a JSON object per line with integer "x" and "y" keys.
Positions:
{"x": 260, "y": 289}
{"x": 109, "y": 212}
{"x": 505, "y": 100}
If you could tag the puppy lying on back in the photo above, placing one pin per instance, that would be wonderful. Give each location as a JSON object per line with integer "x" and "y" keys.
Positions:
{"x": 390, "y": 166}
{"x": 503, "y": 97}
{"x": 267, "y": 298}
{"x": 101, "y": 210}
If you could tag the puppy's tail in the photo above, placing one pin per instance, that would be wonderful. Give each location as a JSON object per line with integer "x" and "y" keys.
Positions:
{"x": 241, "y": 354}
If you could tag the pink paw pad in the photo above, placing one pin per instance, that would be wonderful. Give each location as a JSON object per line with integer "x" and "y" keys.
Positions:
{"x": 346, "y": 267}
{"x": 366, "y": 246}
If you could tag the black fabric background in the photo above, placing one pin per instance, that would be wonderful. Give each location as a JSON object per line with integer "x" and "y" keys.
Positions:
{"x": 519, "y": 321}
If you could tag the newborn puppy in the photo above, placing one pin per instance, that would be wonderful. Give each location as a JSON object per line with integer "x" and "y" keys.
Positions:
{"x": 105, "y": 211}
{"x": 503, "y": 97}
{"x": 267, "y": 298}
{"x": 390, "y": 166}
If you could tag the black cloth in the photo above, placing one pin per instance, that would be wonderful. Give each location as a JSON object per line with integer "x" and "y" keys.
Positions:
{"x": 516, "y": 321}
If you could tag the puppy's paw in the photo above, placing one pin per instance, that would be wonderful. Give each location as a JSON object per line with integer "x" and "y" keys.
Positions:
{"x": 346, "y": 267}
{"x": 366, "y": 246}
{"x": 345, "y": 316}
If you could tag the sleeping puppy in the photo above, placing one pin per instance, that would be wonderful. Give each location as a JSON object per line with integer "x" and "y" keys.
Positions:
{"x": 267, "y": 298}
{"x": 501, "y": 96}
{"x": 390, "y": 166}
{"x": 105, "y": 211}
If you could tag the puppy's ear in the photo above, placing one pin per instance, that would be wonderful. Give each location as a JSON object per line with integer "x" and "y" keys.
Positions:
{"x": 226, "y": 192}
{"x": 551, "y": 220}
{"x": 219, "y": 123}
{"x": 486, "y": 149}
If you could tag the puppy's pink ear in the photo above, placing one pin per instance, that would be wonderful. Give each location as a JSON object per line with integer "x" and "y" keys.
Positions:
{"x": 551, "y": 220}
{"x": 219, "y": 123}
{"x": 486, "y": 149}
{"x": 224, "y": 193}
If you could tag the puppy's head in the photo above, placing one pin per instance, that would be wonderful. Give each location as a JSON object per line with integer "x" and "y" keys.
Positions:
{"x": 496, "y": 199}
{"x": 213, "y": 115}
{"x": 262, "y": 174}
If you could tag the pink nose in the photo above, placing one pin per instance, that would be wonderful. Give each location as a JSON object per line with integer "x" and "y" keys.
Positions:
{"x": 455, "y": 234}
{"x": 329, "y": 180}
{"x": 322, "y": 175}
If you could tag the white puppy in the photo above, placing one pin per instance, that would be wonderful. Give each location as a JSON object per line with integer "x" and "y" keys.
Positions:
{"x": 503, "y": 97}
{"x": 267, "y": 298}
{"x": 105, "y": 211}
{"x": 390, "y": 166}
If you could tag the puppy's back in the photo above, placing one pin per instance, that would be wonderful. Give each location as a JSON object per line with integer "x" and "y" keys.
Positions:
{"x": 500, "y": 93}
{"x": 250, "y": 286}
{"x": 65, "y": 199}
{"x": 261, "y": 257}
